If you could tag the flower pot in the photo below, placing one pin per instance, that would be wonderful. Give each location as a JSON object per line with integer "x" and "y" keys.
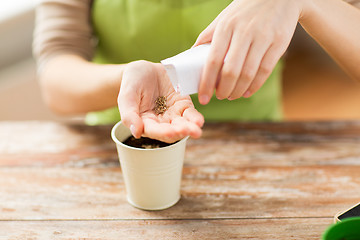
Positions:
{"x": 152, "y": 176}
{"x": 347, "y": 229}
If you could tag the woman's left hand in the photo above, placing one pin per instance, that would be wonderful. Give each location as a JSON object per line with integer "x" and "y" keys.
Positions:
{"x": 142, "y": 83}
{"x": 253, "y": 35}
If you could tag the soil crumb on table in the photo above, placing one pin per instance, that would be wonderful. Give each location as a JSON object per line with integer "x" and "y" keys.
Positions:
{"x": 146, "y": 143}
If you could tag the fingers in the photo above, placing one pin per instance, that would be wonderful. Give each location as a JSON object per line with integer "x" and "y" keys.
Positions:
{"x": 183, "y": 125}
{"x": 267, "y": 65}
{"x": 233, "y": 65}
{"x": 155, "y": 130}
{"x": 207, "y": 35}
{"x": 212, "y": 68}
{"x": 192, "y": 115}
{"x": 250, "y": 69}
{"x": 129, "y": 113}
{"x": 244, "y": 32}
{"x": 170, "y": 132}
{"x": 176, "y": 127}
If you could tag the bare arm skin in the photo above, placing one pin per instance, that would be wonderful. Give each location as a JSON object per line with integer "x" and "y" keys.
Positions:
{"x": 72, "y": 84}
{"x": 335, "y": 25}
{"x": 63, "y": 47}
{"x": 254, "y": 34}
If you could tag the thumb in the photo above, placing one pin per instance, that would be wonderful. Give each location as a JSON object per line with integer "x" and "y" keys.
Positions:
{"x": 207, "y": 34}
{"x": 129, "y": 113}
{"x": 204, "y": 37}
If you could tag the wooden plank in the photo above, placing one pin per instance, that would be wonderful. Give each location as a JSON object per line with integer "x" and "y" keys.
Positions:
{"x": 279, "y": 229}
{"x": 208, "y": 192}
{"x": 42, "y": 144}
{"x": 39, "y": 144}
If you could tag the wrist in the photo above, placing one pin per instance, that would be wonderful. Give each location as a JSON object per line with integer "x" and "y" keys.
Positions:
{"x": 113, "y": 76}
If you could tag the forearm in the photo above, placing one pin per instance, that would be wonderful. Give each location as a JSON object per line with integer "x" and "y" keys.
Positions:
{"x": 73, "y": 85}
{"x": 335, "y": 25}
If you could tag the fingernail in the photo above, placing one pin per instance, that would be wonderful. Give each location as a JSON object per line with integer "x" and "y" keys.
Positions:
{"x": 247, "y": 94}
{"x": 132, "y": 130}
{"x": 204, "y": 99}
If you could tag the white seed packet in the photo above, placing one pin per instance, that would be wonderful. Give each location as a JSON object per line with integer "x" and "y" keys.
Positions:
{"x": 184, "y": 69}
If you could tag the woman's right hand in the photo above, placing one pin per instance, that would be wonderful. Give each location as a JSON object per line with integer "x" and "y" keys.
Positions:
{"x": 252, "y": 35}
{"x": 142, "y": 83}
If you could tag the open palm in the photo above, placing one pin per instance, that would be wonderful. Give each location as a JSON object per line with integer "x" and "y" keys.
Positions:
{"x": 142, "y": 83}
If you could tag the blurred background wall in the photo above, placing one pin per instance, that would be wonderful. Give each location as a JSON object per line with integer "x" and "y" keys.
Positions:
{"x": 314, "y": 87}
{"x": 20, "y": 97}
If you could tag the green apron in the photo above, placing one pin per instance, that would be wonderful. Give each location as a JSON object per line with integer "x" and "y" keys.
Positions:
{"x": 129, "y": 30}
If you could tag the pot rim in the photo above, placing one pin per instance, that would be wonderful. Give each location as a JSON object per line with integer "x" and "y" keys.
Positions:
{"x": 117, "y": 141}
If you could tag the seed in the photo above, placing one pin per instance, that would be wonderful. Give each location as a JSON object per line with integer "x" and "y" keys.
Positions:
{"x": 149, "y": 146}
{"x": 160, "y": 105}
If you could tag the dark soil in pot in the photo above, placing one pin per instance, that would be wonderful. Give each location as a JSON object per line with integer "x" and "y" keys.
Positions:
{"x": 146, "y": 143}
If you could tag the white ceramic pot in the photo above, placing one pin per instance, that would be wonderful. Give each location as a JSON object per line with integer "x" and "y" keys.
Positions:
{"x": 152, "y": 176}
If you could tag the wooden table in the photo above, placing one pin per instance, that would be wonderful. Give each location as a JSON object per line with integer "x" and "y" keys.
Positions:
{"x": 240, "y": 181}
